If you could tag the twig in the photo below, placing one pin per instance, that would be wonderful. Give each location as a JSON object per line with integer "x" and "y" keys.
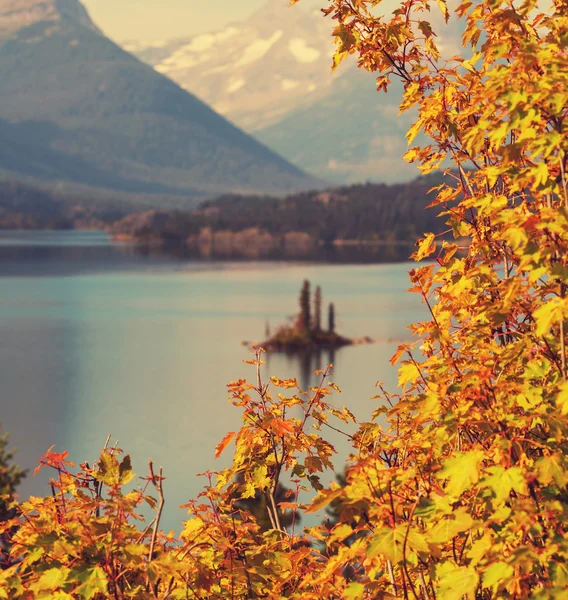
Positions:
{"x": 391, "y": 577}
{"x": 158, "y": 484}
{"x": 563, "y": 175}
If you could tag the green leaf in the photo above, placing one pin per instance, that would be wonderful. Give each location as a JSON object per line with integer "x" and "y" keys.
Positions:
{"x": 93, "y": 581}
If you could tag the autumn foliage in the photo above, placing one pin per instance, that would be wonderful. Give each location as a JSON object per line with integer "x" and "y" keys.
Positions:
{"x": 458, "y": 486}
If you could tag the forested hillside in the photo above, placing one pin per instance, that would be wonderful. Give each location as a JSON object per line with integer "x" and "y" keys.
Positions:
{"x": 23, "y": 206}
{"x": 77, "y": 109}
{"x": 358, "y": 212}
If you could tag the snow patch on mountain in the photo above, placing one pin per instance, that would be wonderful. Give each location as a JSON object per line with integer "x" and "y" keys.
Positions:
{"x": 214, "y": 70}
{"x": 289, "y": 84}
{"x": 258, "y": 49}
{"x": 235, "y": 85}
{"x": 206, "y": 41}
{"x": 135, "y": 46}
{"x": 302, "y": 52}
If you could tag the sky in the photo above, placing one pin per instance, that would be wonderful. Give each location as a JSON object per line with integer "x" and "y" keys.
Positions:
{"x": 148, "y": 20}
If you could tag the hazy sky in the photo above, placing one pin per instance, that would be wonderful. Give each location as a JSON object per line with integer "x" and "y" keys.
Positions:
{"x": 161, "y": 19}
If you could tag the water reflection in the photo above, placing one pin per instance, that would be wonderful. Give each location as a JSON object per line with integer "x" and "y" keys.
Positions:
{"x": 48, "y": 253}
{"x": 100, "y": 338}
{"x": 304, "y": 364}
{"x": 376, "y": 253}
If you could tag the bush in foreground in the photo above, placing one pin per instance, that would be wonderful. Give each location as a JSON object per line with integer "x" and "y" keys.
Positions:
{"x": 463, "y": 493}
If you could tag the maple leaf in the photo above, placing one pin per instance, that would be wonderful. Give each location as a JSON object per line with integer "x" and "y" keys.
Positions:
{"x": 461, "y": 471}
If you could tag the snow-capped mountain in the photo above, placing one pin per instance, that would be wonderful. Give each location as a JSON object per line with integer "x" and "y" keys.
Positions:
{"x": 252, "y": 72}
{"x": 271, "y": 75}
{"x": 77, "y": 110}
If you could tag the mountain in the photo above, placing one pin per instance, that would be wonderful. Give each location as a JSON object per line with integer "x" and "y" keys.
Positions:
{"x": 252, "y": 72}
{"x": 352, "y": 134}
{"x": 271, "y": 75}
{"x": 75, "y": 109}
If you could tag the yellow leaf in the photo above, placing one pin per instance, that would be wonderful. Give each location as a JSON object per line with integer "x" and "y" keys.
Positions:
{"x": 455, "y": 583}
{"x": 399, "y": 352}
{"x": 260, "y": 477}
{"x": 503, "y": 481}
{"x": 426, "y": 247}
{"x": 546, "y": 315}
{"x": 461, "y": 471}
{"x": 444, "y": 8}
{"x": 562, "y": 398}
{"x": 407, "y": 373}
{"x": 50, "y": 580}
{"x": 340, "y": 532}
{"x": 447, "y": 529}
{"x": 354, "y": 591}
{"x": 496, "y": 574}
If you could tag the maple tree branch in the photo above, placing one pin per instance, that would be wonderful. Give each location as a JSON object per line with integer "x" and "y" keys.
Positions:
{"x": 158, "y": 484}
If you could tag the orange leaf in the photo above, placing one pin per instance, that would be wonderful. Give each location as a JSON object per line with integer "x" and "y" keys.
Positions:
{"x": 282, "y": 427}
{"x": 224, "y": 443}
{"x": 399, "y": 352}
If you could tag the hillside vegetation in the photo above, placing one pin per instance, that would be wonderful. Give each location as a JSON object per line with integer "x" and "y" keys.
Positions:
{"x": 77, "y": 109}
{"x": 373, "y": 212}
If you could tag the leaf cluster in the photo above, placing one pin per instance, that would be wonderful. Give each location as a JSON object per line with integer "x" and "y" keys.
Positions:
{"x": 458, "y": 486}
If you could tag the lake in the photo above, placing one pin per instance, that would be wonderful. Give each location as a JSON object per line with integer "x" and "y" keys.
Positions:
{"x": 104, "y": 338}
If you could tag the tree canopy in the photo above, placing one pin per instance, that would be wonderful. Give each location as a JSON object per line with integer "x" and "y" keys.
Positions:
{"x": 457, "y": 489}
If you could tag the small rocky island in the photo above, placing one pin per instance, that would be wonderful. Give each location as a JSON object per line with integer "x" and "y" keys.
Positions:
{"x": 305, "y": 332}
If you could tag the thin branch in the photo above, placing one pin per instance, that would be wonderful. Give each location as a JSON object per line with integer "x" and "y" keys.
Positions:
{"x": 158, "y": 484}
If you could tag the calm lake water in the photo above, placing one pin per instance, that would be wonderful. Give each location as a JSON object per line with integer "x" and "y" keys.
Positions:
{"x": 102, "y": 338}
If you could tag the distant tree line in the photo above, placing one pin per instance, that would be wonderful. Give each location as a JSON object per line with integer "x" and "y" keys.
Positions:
{"x": 359, "y": 212}
{"x": 23, "y": 206}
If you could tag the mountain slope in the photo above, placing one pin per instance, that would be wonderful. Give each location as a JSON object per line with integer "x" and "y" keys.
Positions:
{"x": 88, "y": 112}
{"x": 352, "y": 134}
{"x": 271, "y": 75}
{"x": 252, "y": 72}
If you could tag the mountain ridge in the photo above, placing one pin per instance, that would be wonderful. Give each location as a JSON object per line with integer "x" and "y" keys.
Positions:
{"x": 90, "y": 110}
{"x": 17, "y": 14}
{"x": 336, "y": 126}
